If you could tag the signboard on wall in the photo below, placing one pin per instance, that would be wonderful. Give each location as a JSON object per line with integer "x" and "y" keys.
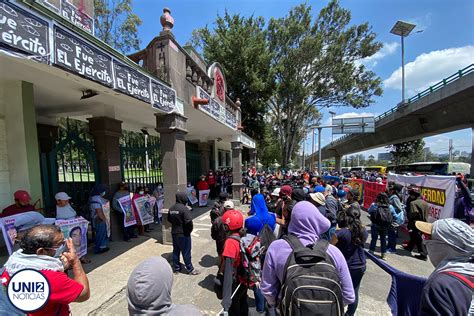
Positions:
{"x": 131, "y": 82}
{"x": 78, "y": 12}
{"x": 24, "y": 32}
{"x": 215, "y": 110}
{"x": 74, "y": 55}
{"x": 162, "y": 97}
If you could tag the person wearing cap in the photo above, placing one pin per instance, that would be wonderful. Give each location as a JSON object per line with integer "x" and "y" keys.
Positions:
{"x": 22, "y": 204}
{"x": 417, "y": 210}
{"x": 274, "y": 200}
{"x": 218, "y": 232}
{"x": 449, "y": 289}
{"x": 64, "y": 210}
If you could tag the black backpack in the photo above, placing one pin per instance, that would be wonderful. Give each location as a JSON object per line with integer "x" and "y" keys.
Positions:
{"x": 311, "y": 284}
{"x": 383, "y": 216}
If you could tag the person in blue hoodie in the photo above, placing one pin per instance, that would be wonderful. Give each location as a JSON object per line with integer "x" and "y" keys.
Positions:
{"x": 254, "y": 225}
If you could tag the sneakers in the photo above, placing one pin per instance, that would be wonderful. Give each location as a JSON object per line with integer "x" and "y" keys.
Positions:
{"x": 194, "y": 272}
{"x": 383, "y": 256}
{"x": 391, "y": 251}
{"x": 421, "y": 257}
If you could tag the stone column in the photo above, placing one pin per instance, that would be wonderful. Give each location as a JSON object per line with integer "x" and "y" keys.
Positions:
{"x": 338, "y": 163}
{"x": 205, "y": 150}
{"x": 253, "y": 157}
{"x": 106, "y": 132}
{"x": 172, "y": 129}
{"x": 237, "y": 184}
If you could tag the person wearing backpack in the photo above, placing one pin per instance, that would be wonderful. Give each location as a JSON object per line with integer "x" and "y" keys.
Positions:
{"x": 290, "y": 259}
{"x": 218, "y": 231}
{"x": 449, "y": 289}
{"x": 234, "y": 287}
{"x": 382, "y": 214}
{"x": 394, "y": 192}
{"x": 350, "y": 239}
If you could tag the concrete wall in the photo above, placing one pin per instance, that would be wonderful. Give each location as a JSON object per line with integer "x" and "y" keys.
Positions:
{"x": 19, "y": 151}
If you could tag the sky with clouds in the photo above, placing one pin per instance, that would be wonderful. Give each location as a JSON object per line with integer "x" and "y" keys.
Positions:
{"x": 441, "y": 44}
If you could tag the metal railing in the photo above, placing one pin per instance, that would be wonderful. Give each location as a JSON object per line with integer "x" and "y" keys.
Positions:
{"x": 459, "y": 74}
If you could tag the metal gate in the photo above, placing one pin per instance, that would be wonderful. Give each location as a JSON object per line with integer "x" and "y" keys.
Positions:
{"x": 140, "y": 160}
{"x": 193, "y": 163}
{"x": 71, "y": 166}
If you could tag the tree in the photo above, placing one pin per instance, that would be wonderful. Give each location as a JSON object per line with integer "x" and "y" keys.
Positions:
{"x": 116, "y": 24}
{"x": 316, "y": 65}
{"x": 407, "y": 152}
{"x": 371, "y": 160}
{"x": 239, "y": 45}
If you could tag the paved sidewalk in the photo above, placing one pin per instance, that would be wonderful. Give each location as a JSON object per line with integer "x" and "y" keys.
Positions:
{"x": 109, "y": 279}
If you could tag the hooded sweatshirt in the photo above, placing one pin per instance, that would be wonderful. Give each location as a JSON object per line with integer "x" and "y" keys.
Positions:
{"x": 255, "y": 223}
{"x": 180, "y": 216}
{"x": 307, "y": 223}
{"x": 149, "y": 290}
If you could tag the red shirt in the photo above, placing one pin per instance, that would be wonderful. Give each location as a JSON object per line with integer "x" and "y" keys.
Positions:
{"x": 232, "y": 250}
{"x": 16, "y": 209}
{"x": 202, "y": 185}
{"x": 63, "y": 291}
{"x": 211, "y": 180}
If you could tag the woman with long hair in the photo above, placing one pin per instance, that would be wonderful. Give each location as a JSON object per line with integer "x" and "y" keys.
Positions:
{"x": 350, "y": 239}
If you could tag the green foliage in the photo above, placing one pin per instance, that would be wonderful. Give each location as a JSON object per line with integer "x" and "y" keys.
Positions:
{"x": 239, "y": 45}
{"x": 270, "y": 148}
{"x": 116, "y": 24}
{"x": 407, "y": 152}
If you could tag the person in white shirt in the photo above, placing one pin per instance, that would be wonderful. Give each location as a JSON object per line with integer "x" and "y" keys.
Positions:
{"x": 64, "y": 210}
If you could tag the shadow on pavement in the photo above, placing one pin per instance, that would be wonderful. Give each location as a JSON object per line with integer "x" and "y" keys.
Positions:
{"x": 208, "y": 283}
{"x": 208, "y": 261}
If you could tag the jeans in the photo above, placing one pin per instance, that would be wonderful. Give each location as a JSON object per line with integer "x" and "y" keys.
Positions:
{"x": 259, "y": 299}
{"x": 375, "y": 231}
{"x": 392, "y": 239}
{"x": 356, "y": 276}
{"x": 182, "y": 245}
{"x": 101, "y": 239}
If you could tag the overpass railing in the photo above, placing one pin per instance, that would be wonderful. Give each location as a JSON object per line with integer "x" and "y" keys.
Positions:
{"x": 459, "y": 74}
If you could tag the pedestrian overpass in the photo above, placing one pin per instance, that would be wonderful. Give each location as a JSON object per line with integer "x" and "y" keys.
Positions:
{"x": 444, "y": 107}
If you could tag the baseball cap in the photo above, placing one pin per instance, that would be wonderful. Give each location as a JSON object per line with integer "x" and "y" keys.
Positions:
{"x": 452, "y": 231}
{"x": 22, "y": 196}
{"x": 62, "y": 196}
{"x": 228, "y": 205}
{"x": 276, "y": 192}
{"x": 286, "y": 190}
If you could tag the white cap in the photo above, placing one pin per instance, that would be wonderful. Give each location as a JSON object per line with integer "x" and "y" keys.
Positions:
{"x": 62, "y": 196}
{"x": 229, "y": 205}
{"x": 276, "y": 192}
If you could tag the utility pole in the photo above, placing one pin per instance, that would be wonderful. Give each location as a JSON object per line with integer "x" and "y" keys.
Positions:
{"x": 304, "y": 145}
{"x": 312, "y": 151}
{"x": 451, "y": 147}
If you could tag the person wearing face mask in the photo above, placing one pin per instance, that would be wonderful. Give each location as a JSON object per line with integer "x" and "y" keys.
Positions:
{"x": 44, "y": 249}
{"x": 139, "y": 192}
{"x": 449, "y": 289}
{"x": 97, "y": 203}
{"x": 64, "y": 210}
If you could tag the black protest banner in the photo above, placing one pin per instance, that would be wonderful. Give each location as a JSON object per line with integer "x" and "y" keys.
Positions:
{"x": 131, "y": 82}
{"x": 163, "y": 97}
{"x": 78, "y": 57}
{"x": 23, "y": 32}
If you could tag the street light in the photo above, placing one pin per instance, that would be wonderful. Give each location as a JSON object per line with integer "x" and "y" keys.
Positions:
{"x": 332, "y": 118}
{"x": 402, "y": 29}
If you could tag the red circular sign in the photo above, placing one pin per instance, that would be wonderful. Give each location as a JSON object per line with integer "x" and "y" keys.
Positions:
{"x": 219, "y": 84}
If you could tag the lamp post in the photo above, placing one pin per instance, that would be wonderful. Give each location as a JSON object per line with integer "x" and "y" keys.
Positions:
{"x": 402, "y": 29}
{"x": 332, "y": 118}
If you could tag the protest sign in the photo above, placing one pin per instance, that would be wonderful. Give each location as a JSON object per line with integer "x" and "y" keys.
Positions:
{"x": 192, "y": 198}
{"x": 9, "y": 232}
{"x": 76, "y": 229}
{"x": 437, "y": 191}
{"x": 203, "y": 197}
{"x": 125, "y": 203}
{"x": 106, "y": 210}
{"x": 371, "y": 190}
{"x": 357, "y": 184}
{"x": 144, "y": 205}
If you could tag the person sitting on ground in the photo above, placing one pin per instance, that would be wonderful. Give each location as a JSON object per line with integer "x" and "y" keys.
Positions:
{"x": 149, "y": 290}
{"x": 44, "y": 249}
{"x": 449, "y": 289}
{"x": 350, "y": 239}
{"x": 22, "y": 204}
{"x": 307, "y": 224}
{"x": 64, "y": 209}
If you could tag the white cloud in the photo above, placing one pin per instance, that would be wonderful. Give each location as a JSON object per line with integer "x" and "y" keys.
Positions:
{"x": 430, "y": 68}
{"x": 387, "y": 49}
{"x": 355, "y": 114}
